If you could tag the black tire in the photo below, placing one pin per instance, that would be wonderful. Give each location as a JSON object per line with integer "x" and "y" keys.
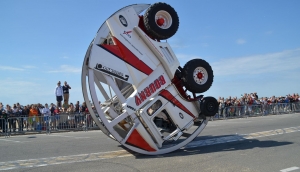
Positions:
{"x": 209, "y": 106}
{"x": 164, "y": 31}
{"x": 192, "y": 71}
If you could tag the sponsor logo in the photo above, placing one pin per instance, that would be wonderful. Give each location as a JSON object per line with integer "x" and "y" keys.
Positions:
{"x": 181, "y": 115}
{"x": 129, "y": 107}
{"x": 127, "y": 33}
{"x": 112, "y": 72}
{"x": 123, "y": 21}
{"x": 148, "y": 91}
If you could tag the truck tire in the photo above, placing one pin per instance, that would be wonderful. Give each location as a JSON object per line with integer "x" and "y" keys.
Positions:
{"x": 161, "y": 21}
{"x": 197, "y": 76}
{"x": 209, "y": 106}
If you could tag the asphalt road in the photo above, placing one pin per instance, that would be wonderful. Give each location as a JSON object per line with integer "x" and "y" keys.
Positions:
{"x": 263, "y": 144}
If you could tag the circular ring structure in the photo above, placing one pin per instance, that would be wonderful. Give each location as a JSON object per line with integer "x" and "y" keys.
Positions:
{"x": 120, "y": 105}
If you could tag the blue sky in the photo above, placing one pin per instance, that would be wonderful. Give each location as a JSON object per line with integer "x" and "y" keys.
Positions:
{"x": 252, "y": 46}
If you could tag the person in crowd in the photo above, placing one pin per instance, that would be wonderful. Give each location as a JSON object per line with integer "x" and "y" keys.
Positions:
{"x": 71, "y": 115}
{"x": 25, "y": 115}
{"x": 66, "y": 88}
{"x": 40, "y": 115}
{"x": 255, "y": 95}
{"x": 240, "y": 104}
{"x": 1, "y": 116}
{"x": 250, "y": 103}
{"x": 77, "y": 114}
{"x": 52, "y": 108}
{"x": 33, "y": 117}
{"x": 10, "y": 116}
{"x": 56, "y": 118}
{"x": 59, "y": 94}
{"x": 264, "y": 104}
{"x": 46, "y": 114}
{"x": 13, "y": 118}
{"x": 82, "y": 114}
{"x": 227, "y": 105}
{"x": 20, "y": 119}
{"x": 89, "y": 120}
{"x": 221, "y": 106}
{"x": 5, "y": 115}
{"x": 65, "y": 107}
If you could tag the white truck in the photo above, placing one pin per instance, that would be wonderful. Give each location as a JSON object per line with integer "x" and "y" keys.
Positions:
{"x": 149, "y": 104}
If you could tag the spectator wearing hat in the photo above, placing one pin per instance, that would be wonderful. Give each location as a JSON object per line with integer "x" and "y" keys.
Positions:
{"x": 59, "y": 94}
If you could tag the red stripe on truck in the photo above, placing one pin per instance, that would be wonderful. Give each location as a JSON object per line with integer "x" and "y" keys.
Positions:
{"x": 123, "y": 53}
{"x": 135, "y": 139}
{"x": 167, "y": 95}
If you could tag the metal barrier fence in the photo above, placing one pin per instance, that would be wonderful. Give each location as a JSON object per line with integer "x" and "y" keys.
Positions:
{"x": 46, "y": 124}
{"x": 84, "y": 122}
{"x": 257, "y": 110}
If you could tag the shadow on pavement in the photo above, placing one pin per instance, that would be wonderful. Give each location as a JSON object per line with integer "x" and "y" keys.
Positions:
{"x": 230, "y": 146}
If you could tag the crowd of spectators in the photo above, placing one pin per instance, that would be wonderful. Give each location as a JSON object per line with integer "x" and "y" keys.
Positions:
{"x": 33, "y": 116}
{"x": 29, "y": 116}
{"x": 37, "y": 116}
{"x": 249, "y": 100}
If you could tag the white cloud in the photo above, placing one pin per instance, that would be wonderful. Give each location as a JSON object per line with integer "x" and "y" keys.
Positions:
{"x": 258, "y": 64}
{"x": 12, "y": 87}
{"x": 241, "y": 41}
{"x": 66, "y": 69}
{"x": 25, "y": 92}
{"x": 65, "y": 57}
{"x": 10, "y": 68}
{"x": 29, "y": 67}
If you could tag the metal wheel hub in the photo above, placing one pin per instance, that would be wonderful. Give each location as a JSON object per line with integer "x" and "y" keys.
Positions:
{"x": 163, "y": 19}
{"x": 200, "y": 75}
{"x": 210, "y": 106}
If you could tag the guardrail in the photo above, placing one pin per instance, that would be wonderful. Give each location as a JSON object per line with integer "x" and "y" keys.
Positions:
{"x": 257, "y": 110}
{"x": 46, "y": 124}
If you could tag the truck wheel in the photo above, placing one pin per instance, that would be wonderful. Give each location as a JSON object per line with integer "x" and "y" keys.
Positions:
{"x": 209, "y": 106}
{"x": 161, "y": 21}
{"x": 198, "y": 76}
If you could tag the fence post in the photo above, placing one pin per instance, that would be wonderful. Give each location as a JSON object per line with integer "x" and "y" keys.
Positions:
{"x": 6, "y": 127}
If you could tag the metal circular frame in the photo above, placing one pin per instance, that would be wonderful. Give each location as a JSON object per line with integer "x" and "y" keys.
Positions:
{"x": 91, "y": 84}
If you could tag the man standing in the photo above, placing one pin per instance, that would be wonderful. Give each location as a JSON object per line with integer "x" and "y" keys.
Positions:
{"x": 47, "y": 113}
{"x": 66, "y": 88}
{"x": 58, "y": 93}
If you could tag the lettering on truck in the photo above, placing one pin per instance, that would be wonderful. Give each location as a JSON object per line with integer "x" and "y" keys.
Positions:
{"x": 148, "y": 91}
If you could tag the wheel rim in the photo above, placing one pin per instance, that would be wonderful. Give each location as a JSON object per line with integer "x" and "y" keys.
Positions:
{"x": 163, "y": 19}
{"x": 210, "y": 106}
{"x": 200, "y": 75}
